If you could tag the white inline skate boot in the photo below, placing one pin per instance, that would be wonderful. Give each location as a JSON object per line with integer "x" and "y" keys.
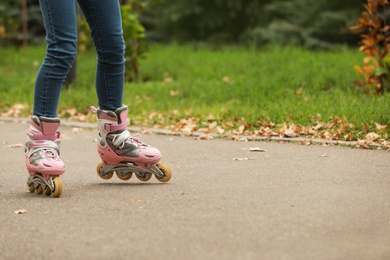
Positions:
{"x": 124, "y": 153}
{"x": 42, "y": 156}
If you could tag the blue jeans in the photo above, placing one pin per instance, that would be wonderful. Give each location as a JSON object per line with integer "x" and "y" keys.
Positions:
{"x": 60, "y": 21}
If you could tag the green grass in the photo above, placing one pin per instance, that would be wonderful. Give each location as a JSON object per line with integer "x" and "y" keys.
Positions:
{"x": 230, "y": 84}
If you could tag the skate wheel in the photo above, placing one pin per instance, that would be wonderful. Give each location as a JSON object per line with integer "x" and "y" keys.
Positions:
{"x": 57, "y": 187}
{"x": 39, "y": 189}
{"x": 47, "y": 191}
{"x": 124, "y": 176}
{"x": 166, "y": 170}
{"x": 31, "y": 188}
{"x": 145, "y": 177}
{"x": 106, "y": 176}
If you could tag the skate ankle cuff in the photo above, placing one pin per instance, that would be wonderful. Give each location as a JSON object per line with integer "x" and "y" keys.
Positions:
{"x": 38, "y": 136}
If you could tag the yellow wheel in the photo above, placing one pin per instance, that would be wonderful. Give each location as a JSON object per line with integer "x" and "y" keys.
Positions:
{"x": 146, "y": 176}
{"x": 47, "y": 191}
{"x": 57, "y": 187}
{"x": 39, "y": 189}
{"x": 104, "y": 177}
{"x": 124, "y": 177}
{"x": 31, "y": 188}
{"x": 166, "y": 170}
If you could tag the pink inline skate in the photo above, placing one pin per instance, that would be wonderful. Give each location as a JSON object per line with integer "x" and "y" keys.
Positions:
{"x": 42, "y": 156}
{"x": 124, "y": 153}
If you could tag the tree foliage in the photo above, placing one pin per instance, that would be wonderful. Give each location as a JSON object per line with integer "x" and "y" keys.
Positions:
{"x": 11, "y": 23}
{"x": 201, "y": 20}
{"x": 318, "y": 24}
{"x": 314, "y": 24}
{"x": 375, "y": 44}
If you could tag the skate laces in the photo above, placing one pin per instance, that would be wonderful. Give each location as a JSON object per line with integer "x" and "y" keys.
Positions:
{"x": 119, "y": 140}
{"x": 49, "y": 154}
{"x": 43, "y": 153}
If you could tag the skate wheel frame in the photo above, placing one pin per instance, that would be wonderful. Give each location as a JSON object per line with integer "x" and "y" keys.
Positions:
{"x": 124, "y": 171}
{"x": 38, "y": 184}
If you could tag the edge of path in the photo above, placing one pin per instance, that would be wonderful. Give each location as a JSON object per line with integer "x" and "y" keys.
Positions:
{"x": 208, "y": 136}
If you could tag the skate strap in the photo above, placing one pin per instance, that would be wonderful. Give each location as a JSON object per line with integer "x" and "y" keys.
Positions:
{"x": 43, "y": 145}
{"x": 121, "y": 126}
{"x": 37, "y": 136}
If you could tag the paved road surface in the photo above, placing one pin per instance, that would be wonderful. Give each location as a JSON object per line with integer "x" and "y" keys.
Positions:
{"x": 290, "y": 202}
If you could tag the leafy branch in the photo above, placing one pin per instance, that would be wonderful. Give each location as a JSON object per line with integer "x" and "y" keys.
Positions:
{"x": 375, "y": 44}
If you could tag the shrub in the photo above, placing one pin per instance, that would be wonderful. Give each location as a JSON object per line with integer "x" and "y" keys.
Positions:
{"x": 375, "y": 44}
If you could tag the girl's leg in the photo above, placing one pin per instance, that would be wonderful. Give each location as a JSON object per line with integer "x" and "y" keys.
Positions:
{"x": 59, "y": 17}
{"x": 104, "y": 19}
{"x": 42, "y": 150}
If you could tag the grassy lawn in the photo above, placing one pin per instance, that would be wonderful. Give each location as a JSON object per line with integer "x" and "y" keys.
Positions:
{"x": 262, "y": 92}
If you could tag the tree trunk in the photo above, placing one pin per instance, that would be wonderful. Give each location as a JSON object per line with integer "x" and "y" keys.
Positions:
{"x": 25, "y": 22}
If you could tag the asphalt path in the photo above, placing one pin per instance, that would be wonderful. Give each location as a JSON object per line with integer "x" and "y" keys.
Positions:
{"x": 224, "y": 201}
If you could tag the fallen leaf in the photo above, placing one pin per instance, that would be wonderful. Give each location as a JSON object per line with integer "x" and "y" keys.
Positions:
{"x": 256, "y": 149}
{"x": 372, "y": 136}
{"x": 243, "y": 159}
{"x": 324, "y": 155}
{"x": 239, "y": 138}
{"x": 220, "y": 130}
{"x": 77, "y": 130}
{"x": 241, "y": 129}
{"x": 20, "y": 211}
{"x": 380, "y": 127}
{"x": 140, "y": 202}
{"x": 204, "y": 137}
{"x": 226, "y": 79}
{"x": 318, "y": 127}
{"x": 347, "y": 137}
{"x": 174, "y": 93}
{"x": 290, "y": 133}
{"x": 15, "y": 145}
{"x": 167, "y": 80}
{"x": 299, "y": 91}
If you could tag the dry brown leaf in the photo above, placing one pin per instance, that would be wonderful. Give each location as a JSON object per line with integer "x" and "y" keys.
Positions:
{"x": 15, "y": 110}
{"x": 243, "y": 159}
{"x": 318, "y": 127}
{"x": 21, "y": 211}
{"x": 204, "y": 137}
{"x": 290, "y": 133}
{"x": 174, "y": 93}
{"x": 167, "y": 80}
{"x": 212, "y": 125}
{"x": 77, "y": 130}
{"x": 256, "y": 149}
{"x": 241, "y": 129}
{"x": 372, "y": 136}
{"x": 299, "y": 91}
{"x": 226, "y": 79}
{"x": 220, "y": 130}
{"x": 347, "y": 137}
{"x": 15, "y": 145}
{"x": 380, "y": 127}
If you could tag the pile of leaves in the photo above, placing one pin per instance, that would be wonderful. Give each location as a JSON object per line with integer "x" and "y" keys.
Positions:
{"x": 335, "y": 131}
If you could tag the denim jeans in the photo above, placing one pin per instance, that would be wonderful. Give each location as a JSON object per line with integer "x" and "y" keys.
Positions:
{"x": 60, "y": 21}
